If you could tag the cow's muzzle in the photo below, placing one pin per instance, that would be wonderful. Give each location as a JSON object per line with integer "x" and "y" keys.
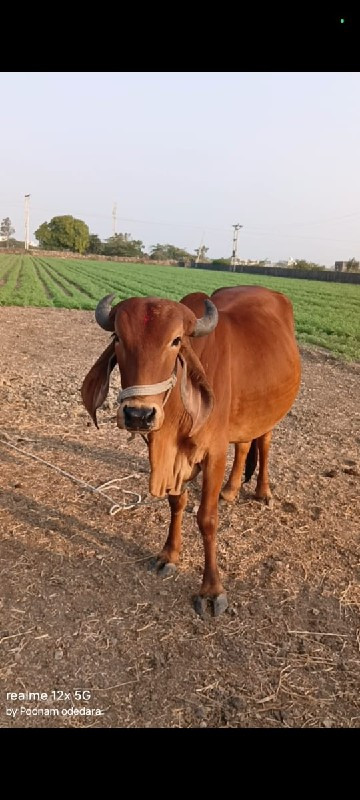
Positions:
{"x": 139, "y": 418}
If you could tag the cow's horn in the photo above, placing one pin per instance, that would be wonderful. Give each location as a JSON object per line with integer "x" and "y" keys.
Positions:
{"x": 102, "y": 312}
{"x": 208, "y": 322}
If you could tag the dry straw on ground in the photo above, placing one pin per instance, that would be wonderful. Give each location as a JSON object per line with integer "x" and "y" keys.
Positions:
{"x": 79, "y": 606}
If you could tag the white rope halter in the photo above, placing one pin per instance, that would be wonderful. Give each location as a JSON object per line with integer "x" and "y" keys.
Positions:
{"x": 154, "y": 388}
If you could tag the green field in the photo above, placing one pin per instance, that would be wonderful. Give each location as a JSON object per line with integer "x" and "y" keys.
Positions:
{"x": 326, "y": 314}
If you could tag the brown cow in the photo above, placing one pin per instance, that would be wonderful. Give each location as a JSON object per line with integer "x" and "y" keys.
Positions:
{"x": 192, "y": 383}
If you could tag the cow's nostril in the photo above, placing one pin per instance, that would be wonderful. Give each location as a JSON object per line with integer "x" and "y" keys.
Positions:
{"x": 138, "y": 417}
{"x": 150, "y": 414}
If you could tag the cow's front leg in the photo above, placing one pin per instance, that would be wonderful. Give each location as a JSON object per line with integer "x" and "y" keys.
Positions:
{"x": 169, "y": 556}
{"x": 207, "y": 517}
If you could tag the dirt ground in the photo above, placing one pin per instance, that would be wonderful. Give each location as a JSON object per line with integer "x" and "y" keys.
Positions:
{"x": 80, "y": 608}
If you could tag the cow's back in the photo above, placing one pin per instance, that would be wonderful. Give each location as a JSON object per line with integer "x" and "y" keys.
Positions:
{"x": 251, "y": 358}
{"x": 250, "y": 301}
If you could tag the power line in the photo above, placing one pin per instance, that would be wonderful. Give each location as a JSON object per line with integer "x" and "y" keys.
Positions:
{"x": 191, "y": 225}
{"x": 279, "y": 235}
{"x": 199, "y": 227}
{"x": 87, "y": 214}
{"x": 251, "y": 231}
{"x": 322, "y": 221}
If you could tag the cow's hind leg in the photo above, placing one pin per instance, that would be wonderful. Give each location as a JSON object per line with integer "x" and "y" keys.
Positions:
{"x": 262, "y": 491}
{"x": 234, "y": 482}
{"x": 207, "y": 517}
{"x": 166, "y": 561}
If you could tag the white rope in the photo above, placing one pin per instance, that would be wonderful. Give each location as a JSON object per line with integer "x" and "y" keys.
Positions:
{"x": 150, "y": 389}
{"x": 115, "y": 507}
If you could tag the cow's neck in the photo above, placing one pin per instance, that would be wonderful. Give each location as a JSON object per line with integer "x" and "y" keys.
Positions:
{"x": 172, "y": 453}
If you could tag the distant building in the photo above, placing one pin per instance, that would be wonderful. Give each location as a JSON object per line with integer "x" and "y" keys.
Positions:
{"x": 248, "y": 262}
{"x": 291, "y": 262}
{"x": 340, "y": 266}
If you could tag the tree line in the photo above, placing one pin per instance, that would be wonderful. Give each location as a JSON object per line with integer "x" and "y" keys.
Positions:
{"x": 68, "y": 233}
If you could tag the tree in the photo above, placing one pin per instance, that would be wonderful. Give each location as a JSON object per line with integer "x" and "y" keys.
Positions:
{"x": 168, "y": 252}
{"x": 352, "y": 265}
{"x": 6, "y": 229}
{"x": 95, "y": 244}
{"x": 63, "y": 233}
{"x": 301, "y": 263}
{"x": 222, "y": 262}
{"x": 121, "y": 244}
{"x": 44, "y": 236}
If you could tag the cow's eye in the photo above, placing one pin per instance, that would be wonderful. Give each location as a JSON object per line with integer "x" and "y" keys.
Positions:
{"x": 176, "y": 342}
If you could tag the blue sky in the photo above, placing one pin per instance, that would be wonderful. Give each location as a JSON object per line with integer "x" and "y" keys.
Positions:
{"x": 185, "y": 155}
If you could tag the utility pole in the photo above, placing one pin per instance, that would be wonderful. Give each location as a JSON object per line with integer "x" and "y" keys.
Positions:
{"x": 27, "y": 221}
{"x": 235, "y": 241}
{"x": 114, "y": 219}
{"x": 199, "y": 252}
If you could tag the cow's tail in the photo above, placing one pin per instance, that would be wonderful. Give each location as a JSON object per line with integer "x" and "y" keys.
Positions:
{"x": 251, "y": 460}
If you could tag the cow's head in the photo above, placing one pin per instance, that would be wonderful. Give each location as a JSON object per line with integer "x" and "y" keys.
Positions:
{"x": 150, "y": 345}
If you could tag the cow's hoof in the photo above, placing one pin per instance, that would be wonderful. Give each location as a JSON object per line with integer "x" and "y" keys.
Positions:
{"x": 163, "y": 568}
{"x": 228, "y": 494}
{"x": 265, "y": 498}
{"x": 200, "y": 605}
{"x": 217, "y": 604}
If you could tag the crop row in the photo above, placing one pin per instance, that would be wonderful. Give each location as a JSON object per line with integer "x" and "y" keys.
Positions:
{"x": 325, "y": 314}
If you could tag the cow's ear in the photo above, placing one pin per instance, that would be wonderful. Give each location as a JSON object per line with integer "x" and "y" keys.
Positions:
{"x": 95, "y": 386}
{"x": 196, "y": 392}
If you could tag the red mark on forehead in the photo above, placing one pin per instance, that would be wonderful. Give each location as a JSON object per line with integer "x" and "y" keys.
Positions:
{"x": 147, "y": 319}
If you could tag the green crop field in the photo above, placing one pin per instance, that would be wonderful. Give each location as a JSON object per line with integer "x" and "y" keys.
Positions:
{"x": 326, "y": 314}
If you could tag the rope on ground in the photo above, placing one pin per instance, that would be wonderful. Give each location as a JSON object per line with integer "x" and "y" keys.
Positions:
{"x": 115, "y": 507}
